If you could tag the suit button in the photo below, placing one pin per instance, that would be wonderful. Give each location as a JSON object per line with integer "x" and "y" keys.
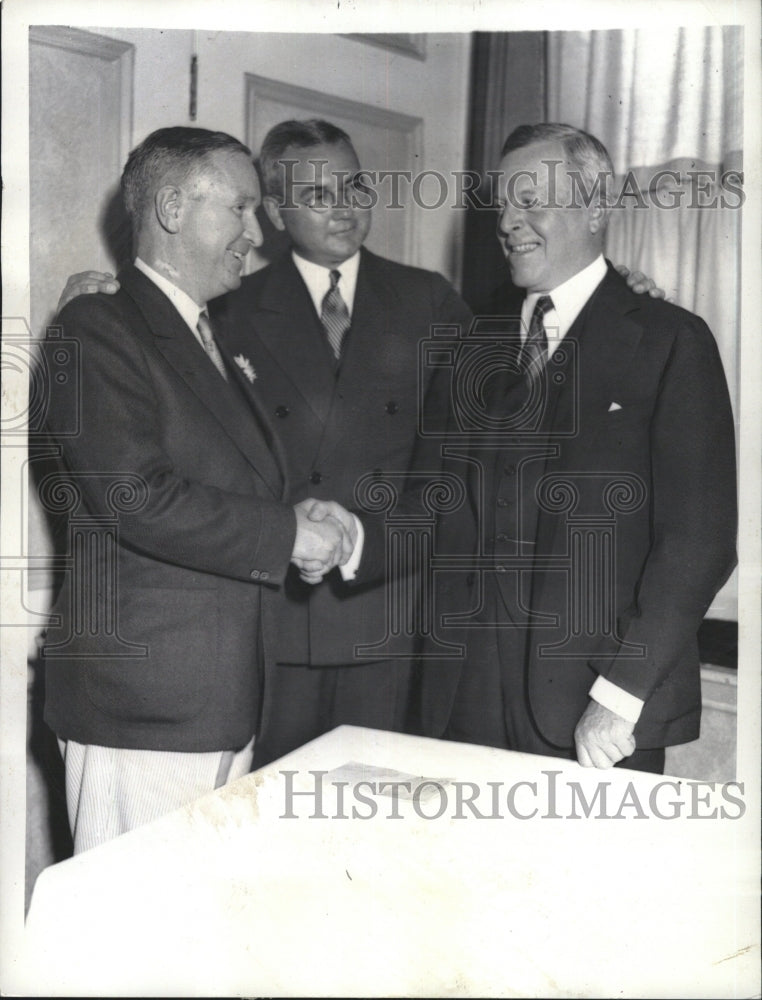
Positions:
{"x": 502, "y": 537}
{"x": 254, "y": 574}
{"x": 509, "y": 470}
{"x": 264, "y": 575}
{"x": 282, "y": 411}
{"x": 391, "y": 407}
{"x": 316, "y": 478}
{"x": 503, "y": 502}
{"x": 500, "y": 569}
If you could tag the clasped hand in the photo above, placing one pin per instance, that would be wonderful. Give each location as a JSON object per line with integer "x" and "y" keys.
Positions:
{"x": 326, "y": 535}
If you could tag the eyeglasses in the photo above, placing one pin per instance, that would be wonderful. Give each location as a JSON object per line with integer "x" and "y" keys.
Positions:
{"x": 353, "y": 197}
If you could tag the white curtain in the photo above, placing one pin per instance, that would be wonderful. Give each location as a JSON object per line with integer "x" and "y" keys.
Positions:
{"x": 667, "y": 100}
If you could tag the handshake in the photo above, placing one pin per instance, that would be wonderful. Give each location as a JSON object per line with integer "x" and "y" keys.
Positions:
{"x": 326, "y": 536}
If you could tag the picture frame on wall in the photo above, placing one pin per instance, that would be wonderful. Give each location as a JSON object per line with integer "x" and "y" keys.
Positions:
{"x": 407, "y": 44}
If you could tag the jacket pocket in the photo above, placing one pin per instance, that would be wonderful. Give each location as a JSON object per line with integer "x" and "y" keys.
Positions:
{"x": 172, "y": 681}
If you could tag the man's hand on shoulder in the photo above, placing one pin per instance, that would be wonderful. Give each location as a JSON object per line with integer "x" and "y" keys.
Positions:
{"x": 640, "y": 282}
{"x": 87, "y": 283}
{"x": 602, "y": 737}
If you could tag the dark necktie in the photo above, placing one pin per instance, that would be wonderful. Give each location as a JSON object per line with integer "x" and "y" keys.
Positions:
{"x": 534, "y": 353}
{"x": 334, "y": 315}
{"x": 210, "y": 344}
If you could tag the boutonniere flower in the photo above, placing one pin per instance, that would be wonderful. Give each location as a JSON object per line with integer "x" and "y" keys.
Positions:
{"x": 246, "y": 367}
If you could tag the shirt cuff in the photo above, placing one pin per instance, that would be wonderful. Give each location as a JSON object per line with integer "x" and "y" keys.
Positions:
{"x": 349, "y": 569}
{"x": 616, "y": 699}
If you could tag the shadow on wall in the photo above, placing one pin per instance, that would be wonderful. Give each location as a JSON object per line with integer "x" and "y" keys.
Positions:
{"x": 484, "y": 266}
{"x": 116, "y": 229}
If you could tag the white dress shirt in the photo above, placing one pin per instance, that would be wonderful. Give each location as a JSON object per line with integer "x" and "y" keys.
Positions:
{"x": 568, "y": 301}
{"x": 318, "y": 279}
{"x": 188, "y": 309}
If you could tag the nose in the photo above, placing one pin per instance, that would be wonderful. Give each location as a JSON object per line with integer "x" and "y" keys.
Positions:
{"x": 508, "y": 219}
{"x": 342, "y": 210}
{"x": 252, "y": 231}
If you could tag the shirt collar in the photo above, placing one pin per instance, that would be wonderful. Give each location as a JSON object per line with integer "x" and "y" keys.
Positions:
{"x": 188, "y": 309}
{"x": 568, "y": 300}
{"x": 318, "y": 279}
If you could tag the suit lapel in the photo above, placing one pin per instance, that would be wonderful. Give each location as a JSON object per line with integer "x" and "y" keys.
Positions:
{"x": 606, "y": 339}
{"x": 274, "y": 445}
{"x": 286, "y": 323}
{"x": 173, "y": 339}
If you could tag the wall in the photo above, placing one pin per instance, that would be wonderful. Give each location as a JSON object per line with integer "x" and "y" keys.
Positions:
{"x": 436, "y": 89}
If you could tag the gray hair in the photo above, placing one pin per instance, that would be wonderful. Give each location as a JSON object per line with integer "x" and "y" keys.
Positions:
{"x": 300, "y": 135}
{"x": 586, "y": 154}
{"x": 169, "y": 155}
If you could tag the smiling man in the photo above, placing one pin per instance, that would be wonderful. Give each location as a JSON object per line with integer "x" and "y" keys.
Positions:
{"x": 332, "y": 331}
{"x": 153, "y": 672}
{"x": 608, "y": 511}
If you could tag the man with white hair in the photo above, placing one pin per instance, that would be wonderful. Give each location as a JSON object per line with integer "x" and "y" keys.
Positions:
{"x": 606, "y": 507}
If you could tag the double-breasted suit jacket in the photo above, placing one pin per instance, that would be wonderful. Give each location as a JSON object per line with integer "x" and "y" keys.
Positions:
{"x": 619, "y": 504}
{"x": 336, "y": 427}
{"x": 163, "y": 613}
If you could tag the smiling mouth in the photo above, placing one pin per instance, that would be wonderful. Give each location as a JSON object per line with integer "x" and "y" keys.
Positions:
{"x": 522, "y": 248}
{"x": 240, "y": 257}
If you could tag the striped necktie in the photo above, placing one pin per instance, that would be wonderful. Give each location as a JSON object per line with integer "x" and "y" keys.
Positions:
{"x": 534, "y": 353}
{"x": 210, "y": 344}
{"x": 334, "y": 315}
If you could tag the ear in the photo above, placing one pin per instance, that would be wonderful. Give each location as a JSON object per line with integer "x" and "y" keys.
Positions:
{"x": 168, "y": 204}
{"x": 596, "y": 218}
{"x": 272, "y": 208}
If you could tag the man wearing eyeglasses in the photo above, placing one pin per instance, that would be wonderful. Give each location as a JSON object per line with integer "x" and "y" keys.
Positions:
{"x": 333, "y": 331}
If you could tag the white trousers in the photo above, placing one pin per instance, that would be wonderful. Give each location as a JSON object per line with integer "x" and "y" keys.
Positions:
{"x": 111, "y": 790}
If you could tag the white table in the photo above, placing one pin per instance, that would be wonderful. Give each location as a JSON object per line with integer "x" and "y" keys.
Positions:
{"x": 227, "y": 897}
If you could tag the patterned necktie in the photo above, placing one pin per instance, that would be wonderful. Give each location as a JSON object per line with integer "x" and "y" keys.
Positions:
{"x": 334, "y": 315}
{"x": 210, "y": 345}
{"x": 534, "y": 353}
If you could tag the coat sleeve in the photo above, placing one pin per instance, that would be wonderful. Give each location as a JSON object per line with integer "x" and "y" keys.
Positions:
{"x": 182, "y": 515}
{"x": 693, "y": 513}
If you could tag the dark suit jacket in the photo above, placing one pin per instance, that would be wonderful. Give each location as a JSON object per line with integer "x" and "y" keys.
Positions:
{"x": 204, "y": 540}
{"x": 640, "y": 494}
{"x": 337, "y": 428}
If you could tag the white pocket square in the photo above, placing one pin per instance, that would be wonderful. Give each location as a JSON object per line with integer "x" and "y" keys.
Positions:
{"x": 614, "y": 406}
